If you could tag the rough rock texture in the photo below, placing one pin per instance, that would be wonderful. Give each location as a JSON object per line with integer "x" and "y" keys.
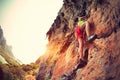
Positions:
{"x": 60, "y": 61}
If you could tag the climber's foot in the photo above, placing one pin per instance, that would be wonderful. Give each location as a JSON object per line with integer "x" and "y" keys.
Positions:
{"x": 82, "y": 63}
{"x": 92, "y": 37}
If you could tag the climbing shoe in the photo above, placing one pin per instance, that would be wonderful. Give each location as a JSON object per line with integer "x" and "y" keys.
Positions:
{"x": 92, "y": 37}
{"x": 81, "y": 63}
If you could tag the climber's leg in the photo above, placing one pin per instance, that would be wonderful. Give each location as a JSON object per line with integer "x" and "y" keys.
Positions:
{"x": 80, "y": 49}
{"x": 87, "y": 29}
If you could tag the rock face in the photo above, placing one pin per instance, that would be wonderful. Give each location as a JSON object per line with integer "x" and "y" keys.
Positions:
{"x": 60, "y": 62}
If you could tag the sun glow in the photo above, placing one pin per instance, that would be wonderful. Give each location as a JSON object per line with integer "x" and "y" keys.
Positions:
{"x": 25, "y": 23}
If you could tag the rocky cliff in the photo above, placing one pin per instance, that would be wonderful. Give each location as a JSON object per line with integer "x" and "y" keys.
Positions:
{"x": 10, "y": 67}
{"x": 8, "y": 63}
{"x": 60, "y": 62}
{"x": 6, "y": 55}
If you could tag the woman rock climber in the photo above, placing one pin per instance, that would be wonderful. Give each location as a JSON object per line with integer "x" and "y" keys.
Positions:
{"x": 81, "y": 28}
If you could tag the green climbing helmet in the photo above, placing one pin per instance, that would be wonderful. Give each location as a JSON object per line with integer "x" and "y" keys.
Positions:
{"x": 80, "y": 22}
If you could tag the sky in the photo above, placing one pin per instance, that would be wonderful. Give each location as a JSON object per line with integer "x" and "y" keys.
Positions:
{"x": 25, "y": 23}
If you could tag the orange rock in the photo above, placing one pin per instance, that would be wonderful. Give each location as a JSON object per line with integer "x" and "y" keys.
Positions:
{"x": 61, "y": 62}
